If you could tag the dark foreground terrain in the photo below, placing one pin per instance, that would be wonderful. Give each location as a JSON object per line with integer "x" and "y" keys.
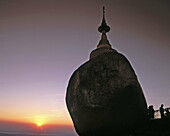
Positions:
{"x": 157, "y": 127}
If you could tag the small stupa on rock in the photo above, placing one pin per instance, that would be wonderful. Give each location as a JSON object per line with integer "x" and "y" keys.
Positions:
{"x": 104, "y": 96}
{"x": 104, "y": 45}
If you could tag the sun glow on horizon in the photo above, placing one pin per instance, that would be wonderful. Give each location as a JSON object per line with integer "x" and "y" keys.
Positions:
{"x": 40, "y": 120}
{"x": 39, "y": 124}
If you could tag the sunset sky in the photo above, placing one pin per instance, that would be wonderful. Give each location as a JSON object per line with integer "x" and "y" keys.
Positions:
{"x": 43, "y": 41}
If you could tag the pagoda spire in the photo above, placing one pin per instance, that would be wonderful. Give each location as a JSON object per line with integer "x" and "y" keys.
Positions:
{"x": 104, "y": 28}
{"x": 104, "y": 45}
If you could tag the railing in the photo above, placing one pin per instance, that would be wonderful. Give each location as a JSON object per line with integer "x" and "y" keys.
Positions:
{"x": 157, "y": 114}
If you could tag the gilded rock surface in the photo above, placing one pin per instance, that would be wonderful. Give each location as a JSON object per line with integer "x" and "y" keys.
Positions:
{"x": 104, "y": 97}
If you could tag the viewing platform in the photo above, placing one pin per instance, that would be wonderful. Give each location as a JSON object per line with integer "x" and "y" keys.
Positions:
{"x": 156, "y": 126}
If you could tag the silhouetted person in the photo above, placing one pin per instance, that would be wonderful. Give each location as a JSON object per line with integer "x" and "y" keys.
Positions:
{"x": 151, "y": 112}
{"x": 162, "y": 111}
{"x": 167, "y": 113}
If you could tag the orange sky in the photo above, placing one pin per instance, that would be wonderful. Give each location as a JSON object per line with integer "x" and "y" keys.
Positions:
{"x": 62, "y": 118}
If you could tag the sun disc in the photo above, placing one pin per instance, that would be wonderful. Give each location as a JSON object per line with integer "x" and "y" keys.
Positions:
{"x": 39, "y": 124}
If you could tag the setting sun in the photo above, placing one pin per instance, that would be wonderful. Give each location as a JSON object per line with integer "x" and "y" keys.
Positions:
{"x": 39, "y": 124}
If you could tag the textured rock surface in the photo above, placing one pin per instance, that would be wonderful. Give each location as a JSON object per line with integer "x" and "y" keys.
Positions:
{"x": 104, "y": 97}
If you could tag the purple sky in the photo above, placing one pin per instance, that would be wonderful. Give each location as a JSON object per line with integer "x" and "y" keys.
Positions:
{"x": 43, "y": 41}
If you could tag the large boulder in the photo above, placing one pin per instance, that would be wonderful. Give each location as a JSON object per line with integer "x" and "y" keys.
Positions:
{"x": 104, "y": 97}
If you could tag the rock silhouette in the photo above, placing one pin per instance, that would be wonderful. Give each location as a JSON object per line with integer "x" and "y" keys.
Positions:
{"x": 104, "y": 94}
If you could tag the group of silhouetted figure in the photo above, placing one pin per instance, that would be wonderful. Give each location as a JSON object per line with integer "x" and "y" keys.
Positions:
{"x": 163, "y": 112}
